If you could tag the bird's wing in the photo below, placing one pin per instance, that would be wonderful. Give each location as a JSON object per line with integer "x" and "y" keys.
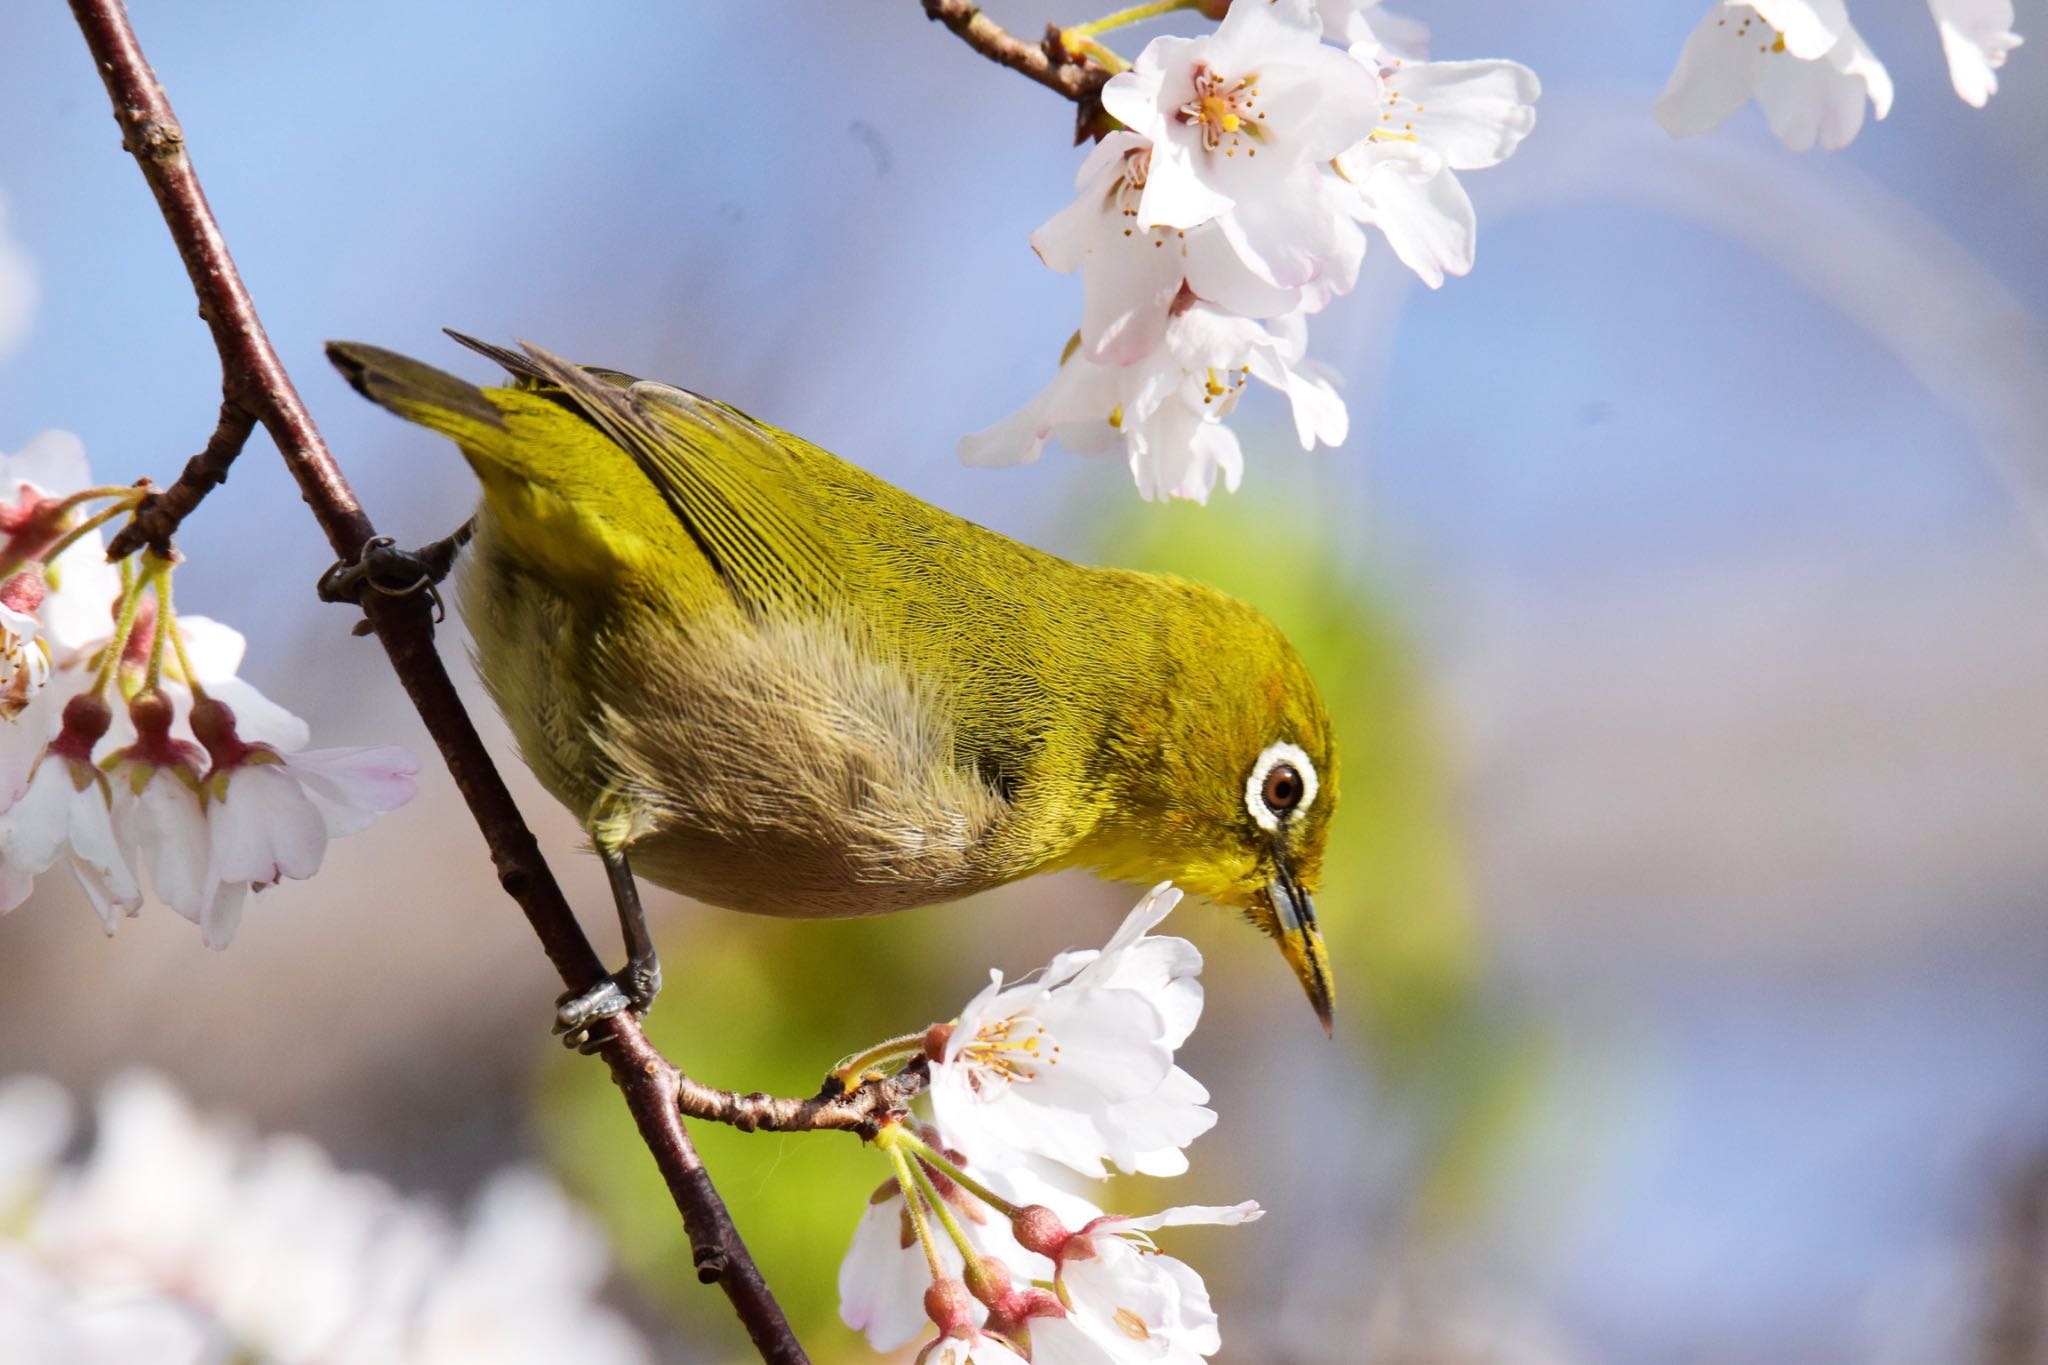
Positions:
{"x": 732, "y": 483}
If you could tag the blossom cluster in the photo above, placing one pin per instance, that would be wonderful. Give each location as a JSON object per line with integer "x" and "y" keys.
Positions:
{"x": 1228, "y": 204}
{"x": 128, "y": 747}
{"x": 1035, "y": 1086}
{"x": 1811, "y": 72}
{"x": 180, "y": 1238}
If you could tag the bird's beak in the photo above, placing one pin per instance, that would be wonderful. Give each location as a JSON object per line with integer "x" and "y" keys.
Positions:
{"x": 1301, "y": 943}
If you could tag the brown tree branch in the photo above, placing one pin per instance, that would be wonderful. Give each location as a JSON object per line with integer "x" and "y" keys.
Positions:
{"x": 160, "y": 512}
{"x": 1047, "y": 62}
{"x": 860, "y": 1110}
{"x": 255, "y": 383}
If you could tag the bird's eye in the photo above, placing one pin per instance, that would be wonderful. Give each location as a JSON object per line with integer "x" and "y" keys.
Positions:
{"x": 1282, "y": 783}
{"x": 1283, "y": 788}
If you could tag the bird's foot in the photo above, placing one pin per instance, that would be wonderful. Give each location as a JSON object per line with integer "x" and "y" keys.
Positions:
{"x": 385, "y": 569}
{"x": 633, "y": 987}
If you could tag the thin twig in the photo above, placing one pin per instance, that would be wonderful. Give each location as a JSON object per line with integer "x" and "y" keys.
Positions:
{"x": 860, "y": 1110}
{"x": 1046, "y": 62}
{"x": 157, "y": 519}
{"x": 254, "y": 379}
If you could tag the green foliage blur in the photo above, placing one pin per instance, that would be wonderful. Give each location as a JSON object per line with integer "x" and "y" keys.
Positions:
{"x": 771, "y": 1005}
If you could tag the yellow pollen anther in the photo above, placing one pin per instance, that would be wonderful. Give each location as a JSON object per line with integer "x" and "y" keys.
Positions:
{"x": 1132, "y": 1326}
{"x": 1220, "y": 109}
{"x": 997, "y": 1047}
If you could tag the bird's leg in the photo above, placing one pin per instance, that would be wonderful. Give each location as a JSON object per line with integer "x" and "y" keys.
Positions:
{"x": 386, "y": 569}
{"x": 633, "y": 986}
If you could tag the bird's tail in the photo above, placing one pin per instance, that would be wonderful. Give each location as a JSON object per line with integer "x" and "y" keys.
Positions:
{"x": 558, "y": 494}
{"x": 420, "y": 393}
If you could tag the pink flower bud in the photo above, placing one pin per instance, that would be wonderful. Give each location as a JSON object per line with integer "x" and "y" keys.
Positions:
{"x": 1039, "y": 1229}
{"x": 947, "y": 1304}
{"x": 988, "y": 1280}
{"x": 214, "y": 723}
{"x": 152, "y": 713}
{"x": 87, "y": 717}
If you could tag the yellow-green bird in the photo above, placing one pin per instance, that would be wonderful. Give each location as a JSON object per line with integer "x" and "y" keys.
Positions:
{"x": 767, "y": 679}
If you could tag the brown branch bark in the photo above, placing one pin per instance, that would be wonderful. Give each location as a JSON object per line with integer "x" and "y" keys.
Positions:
{"x": 255, "y": 384}
{"x": 1046, "y": 62}
{"x": 158, "y": 516}
{"x": 858, "y": 1111}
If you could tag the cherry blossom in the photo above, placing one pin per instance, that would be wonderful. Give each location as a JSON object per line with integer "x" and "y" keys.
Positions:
{"x": 1125, "y": 1299}
{"x": 1240, "y": 121}
{"x": 180, "y": 1237}
{"x": 1975, "y": 36}
{"x": 883, "y": 1278}
{"x": 1164, "y": 414}
{"x": 1801, "y": 60}
{"x": 66, "y": 812}
{"x": 121, "y": 789}
{"x": 158, "y": 810}
{"x": 269, "y": 814}
{"x": 1437, "y": 118}
{"x": 1077, "y": 1065}
{"x": 1132, "y": 274}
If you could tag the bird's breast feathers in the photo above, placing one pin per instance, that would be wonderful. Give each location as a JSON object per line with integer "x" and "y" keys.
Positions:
{"x": 785, "y": 765}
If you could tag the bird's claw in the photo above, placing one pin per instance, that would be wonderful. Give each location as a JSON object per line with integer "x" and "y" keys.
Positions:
{"x": 633, "y": 987}
{"x": 385, "y": 569}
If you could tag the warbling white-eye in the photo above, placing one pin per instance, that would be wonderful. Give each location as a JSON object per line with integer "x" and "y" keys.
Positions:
{"x": 776, "y": 683}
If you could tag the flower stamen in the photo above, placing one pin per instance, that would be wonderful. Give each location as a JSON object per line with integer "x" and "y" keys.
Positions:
{"x": 1224, "y": 111}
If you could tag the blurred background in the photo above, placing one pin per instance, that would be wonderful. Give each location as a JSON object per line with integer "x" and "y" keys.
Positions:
{"x": 1681, "y": 595}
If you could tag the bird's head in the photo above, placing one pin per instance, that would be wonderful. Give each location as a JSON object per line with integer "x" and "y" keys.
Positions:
{"x": 1233, "y": 780}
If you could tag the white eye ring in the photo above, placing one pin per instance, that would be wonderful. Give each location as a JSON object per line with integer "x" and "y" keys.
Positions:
{"x": 1255, "y": 785}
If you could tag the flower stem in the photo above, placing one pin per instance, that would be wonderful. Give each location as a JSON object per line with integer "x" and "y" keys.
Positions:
{"x": 164, "y": 630}
{"x": 932, "y": 1155}
{"x": 884, "y": 1055}
{"x": 1135, "y": 14}
{"x": 1081, "y": 46}
{"x": 90, "y": 524}
{"x": 128, "y": 494}
{"x": 914, "y": 1206}
{"x": 954, "y": 1231}
{"x": 191, "y": 679}
{"x": 124, "y": 626}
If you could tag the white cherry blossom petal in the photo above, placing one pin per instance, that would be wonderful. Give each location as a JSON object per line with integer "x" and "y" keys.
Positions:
{"x": 1473, "y": 114}
{"x": 53, "y": 463}
{"x": 1232, "y": 114}
{"x": 351, "y": 787}
{"x": 1736, "y": 54}
{"x": 1811, "y": 28}
{"x": 975, "y": 1350}
{"x": 1976, "y": 35}
{"x": 98, "y": 861}
{"x": 165, "y": 827}
{"x": 1189, "y": 1215}
{"x": 884, "y": 1274}
{"x": 263, "y": 827}
{"x": 1419, "y": 207}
